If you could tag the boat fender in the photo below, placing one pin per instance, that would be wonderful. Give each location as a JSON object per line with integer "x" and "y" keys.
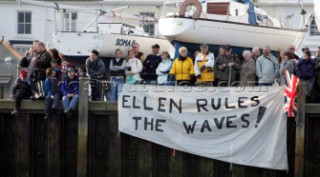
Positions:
{"x": 186, "y": 3}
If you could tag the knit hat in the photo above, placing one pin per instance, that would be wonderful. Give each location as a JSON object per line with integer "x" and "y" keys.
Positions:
{"x": 71, "y": 70}
{"x": 23, "y": 74}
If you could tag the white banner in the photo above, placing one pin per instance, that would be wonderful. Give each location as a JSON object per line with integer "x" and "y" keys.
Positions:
{"x": 236, "y": 125}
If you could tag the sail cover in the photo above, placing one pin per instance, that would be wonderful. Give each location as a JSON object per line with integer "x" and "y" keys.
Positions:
{"x": 252, "y": 16}
{"x": 317, "y": 12}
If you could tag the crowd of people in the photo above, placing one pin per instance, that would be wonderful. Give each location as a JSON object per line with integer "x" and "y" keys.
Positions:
{"x": 48, "y": 75}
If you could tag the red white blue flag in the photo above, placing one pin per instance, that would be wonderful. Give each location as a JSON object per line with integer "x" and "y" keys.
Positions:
{"x": 290, "y": 94}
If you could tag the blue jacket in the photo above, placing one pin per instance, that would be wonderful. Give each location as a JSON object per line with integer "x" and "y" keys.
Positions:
{"x": 70, "y": 86}
{"x": 305, "y": 69}
{"x": 50, "y": 86}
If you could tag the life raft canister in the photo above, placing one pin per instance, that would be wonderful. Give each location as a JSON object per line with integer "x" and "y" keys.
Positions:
{"x": 185, "y": 4}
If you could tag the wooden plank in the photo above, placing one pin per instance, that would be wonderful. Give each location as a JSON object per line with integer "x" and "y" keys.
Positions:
{"x": 177, "y": 165}
{"x": 207, "y": 167}
{"x": 145, "y": 158}
{"x": 161, "y": 163}
{"x": 300, "y": 132}
{"x": 114, "y": 163}
{"x": 82, "y": 128}
{"x": 23, "y": 142}
{"x": 238, "y": 170}
{"x": 54, "y": 144}
{"x": 223, "y": 169}
{"x": 39, "y": 150}
{"x": 130, "y": 150}
{"x": 193, "y": 164}
{"x": 10, "y": 146}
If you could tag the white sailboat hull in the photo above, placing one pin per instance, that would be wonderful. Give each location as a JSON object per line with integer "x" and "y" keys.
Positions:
{"x": 80, "y": 44}
{"x": 317, "y": 12}
{"x": 215, "y": 32}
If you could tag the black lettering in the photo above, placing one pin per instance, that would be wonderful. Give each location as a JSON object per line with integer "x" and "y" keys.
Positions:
{"x": 146, "y": 123}
{"x": 243, "y": 118}
{"x": 241, "y": 101}
{"x": 145, "y": 104}
{"x": 189, "y": 128}
{"x": 205, "y": 125}
{"x": 160, "y": 105}
{"x": 255, "y": 99}
{"x": 229, "y": 122}
{"x": 129, "y": 43}
{"x": 227, "y": 106}
{"x": 218, "y": 123}
{"x": 202, "y": 105}
{"x": 117, "y": 41}
{"x": 124, "y": 100}
{"x": 158, "y": 124}
{"x": 214, "y": 106}
{"x": 136, "y": 119}
{"x": 175, "y": 104}
{"x": 134, "y": 103}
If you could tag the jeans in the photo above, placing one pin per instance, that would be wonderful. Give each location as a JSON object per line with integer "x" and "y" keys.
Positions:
{"x": 66, "y": 103}
{"x": 50, "y": 103}
{"x": 116, "y": 83}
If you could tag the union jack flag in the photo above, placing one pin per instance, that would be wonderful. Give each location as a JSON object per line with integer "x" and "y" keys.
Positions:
{"x": 290, "y": 94}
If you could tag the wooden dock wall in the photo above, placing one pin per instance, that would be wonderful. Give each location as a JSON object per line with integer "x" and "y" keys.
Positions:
{"x": 92, "y": 146}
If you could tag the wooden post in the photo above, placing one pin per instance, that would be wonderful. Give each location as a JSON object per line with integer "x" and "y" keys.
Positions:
{"x": 1, "y": 92}
{"x": 300, "y": 131}
{"x": 82, "y": 158}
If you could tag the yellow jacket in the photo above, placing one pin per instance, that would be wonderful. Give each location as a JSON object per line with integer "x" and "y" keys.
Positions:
{"x": 207, "y": 75}
{"x": 182, "y": 69}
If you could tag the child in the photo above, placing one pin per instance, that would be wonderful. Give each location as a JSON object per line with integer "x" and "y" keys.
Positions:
{"x": 54, "y": 65}
{"x": 70, "y": 92}
{"x": 23, "y": 88}
{"x": 63, "y": 69}
{"x": 81, "y": 72}
{"x": 51, "y": 92}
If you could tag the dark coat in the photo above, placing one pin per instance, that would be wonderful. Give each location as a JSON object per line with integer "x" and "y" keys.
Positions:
{"x": 305, "y": 69}
{"x": 43, "y": 63}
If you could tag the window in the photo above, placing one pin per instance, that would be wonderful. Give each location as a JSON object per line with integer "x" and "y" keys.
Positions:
{"x": 70, "y": 21}
{"x": 21, "y": 48}
{"x": 313, "y": 28}
{"x": 148, "y": 26}
{"x": 24, "y": 22}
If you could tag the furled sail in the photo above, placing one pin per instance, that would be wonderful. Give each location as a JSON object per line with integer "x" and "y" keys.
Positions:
{"x": 252, "y": 15}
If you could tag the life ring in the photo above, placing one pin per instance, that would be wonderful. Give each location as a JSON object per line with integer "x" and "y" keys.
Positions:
{"x": 185, "y": 4}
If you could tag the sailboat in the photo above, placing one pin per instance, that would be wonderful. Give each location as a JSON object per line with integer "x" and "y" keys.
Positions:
{"x": 220, "y": 22}
{"x": 101, "y": 33}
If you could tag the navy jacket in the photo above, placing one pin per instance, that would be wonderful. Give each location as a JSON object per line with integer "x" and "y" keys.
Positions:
{"x": 305, "y": 69}
{"x": 70, "y": 86}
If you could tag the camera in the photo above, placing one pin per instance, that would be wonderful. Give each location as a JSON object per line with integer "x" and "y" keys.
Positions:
{"x": 129, "y": 68}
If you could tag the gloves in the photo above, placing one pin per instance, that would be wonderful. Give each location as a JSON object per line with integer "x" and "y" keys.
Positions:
{"x": 199, "y": 76}
{"x": 202, "y": 68}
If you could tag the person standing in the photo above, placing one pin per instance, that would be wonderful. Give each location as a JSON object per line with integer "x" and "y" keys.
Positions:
{"x": 267, "y": 68}
{"x": 256, "y": 53}
{"x": 203, "y": 66}
{"x": 42, "y": 64}
{"x": 95, "y": 71}
{"x": 150, "y": 65}
{"x": 288, "y": 63}
{"x": 163, "y": 69}
{"x": 306, "y": 70}
{"x": 70, "y": 92}
{"x": 133, "y": 69}
{"x": 136, "y": 49}
{"x": 54, "y": 53}
{"x": 182, "y": 68}
{"x": 117, "y": 67}
{"x": 317, "y": 78}
{"x": 248, "y": 70}
{"x": 292, "y": 49}
{"x": 51, "y": 92}
{"x": 228, "y": 65}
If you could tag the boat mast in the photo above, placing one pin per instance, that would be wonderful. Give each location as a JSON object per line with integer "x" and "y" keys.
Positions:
{"x": 303, "y": 23}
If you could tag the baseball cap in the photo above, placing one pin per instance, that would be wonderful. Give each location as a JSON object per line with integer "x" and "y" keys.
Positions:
{"x": 71, "y": 70}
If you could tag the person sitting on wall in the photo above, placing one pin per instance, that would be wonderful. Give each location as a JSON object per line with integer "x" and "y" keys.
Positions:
{"x": 23, "y": 88}
{"x": 51, "y": 92}
{"x": 70, "y": 92}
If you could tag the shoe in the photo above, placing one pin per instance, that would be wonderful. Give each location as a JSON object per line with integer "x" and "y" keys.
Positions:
{"x": 15, "y": 112}
{"x": 48, "y": 116}
{"x": 67, "y": 110}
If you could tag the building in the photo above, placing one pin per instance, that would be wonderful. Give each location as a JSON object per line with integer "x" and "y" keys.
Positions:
{"x": 23, "y": 23}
